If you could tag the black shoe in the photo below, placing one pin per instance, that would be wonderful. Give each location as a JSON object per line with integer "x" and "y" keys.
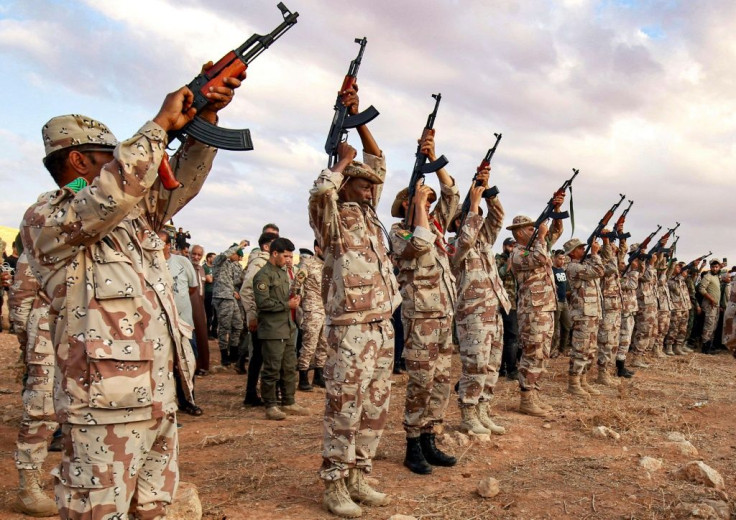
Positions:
{"x": 414, "y": 459}
{"x": 252, "y": 400}
{"x": 622, "y": 371}
{"x": 432, "y": 453}
{"x": 304, "y": 384}
{"x": 513, "y": 375}
{"x": 318, "y": 379}
{"x": 240, "y": 370}
{"x": 708, "y": 347}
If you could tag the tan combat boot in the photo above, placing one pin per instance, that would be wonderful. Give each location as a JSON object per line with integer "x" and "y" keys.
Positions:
{"x": 658, "y": 353}
{"x": 537, "y": 396}
{"x": 586, "y": 386}
{"x": 360, "y": 491}
{"x": 638, "y": 362}
{"x": 470, "y": 422}
{"x": 484, "y": 416}
{"x": 677, "y": 351}
{"x": 604, "y": 378}
{"x": 574, "y": 387}
{"x": 337, "y": 500}
{"x": 294, "y": 409}
{"x": 668, "y": 350}
{"x": 529, "y": 405}
{"x": 274, "y": 414}
{"x": 31, "y": 499}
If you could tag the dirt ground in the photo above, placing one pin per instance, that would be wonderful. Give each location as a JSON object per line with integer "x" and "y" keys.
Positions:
{"x": 246, "y": 467}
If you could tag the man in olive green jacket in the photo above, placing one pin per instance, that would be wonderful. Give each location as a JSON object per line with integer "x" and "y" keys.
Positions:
{"x": 276, "y": 331}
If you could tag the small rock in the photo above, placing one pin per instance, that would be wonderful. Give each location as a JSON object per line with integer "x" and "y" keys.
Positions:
{"x": 675, "y": 437}
{"x": 218, "y": 369}
{"x": 488, "y": 487}
{"x": 700, "y": 472}
{"x": 704, "y": 510}
{"x": 480, "y": 437}
{"x": 721, "y": 508}
{"x": 186, "y": 504}
{"x": 401, "y": 517}
{"x": 685, "y": 448}
{"x": 7, "y": 418}
{"x": 546, "y": 426}
{"x": 650, "y": 464}
{"x": 604, "y": 432}
{"x": 460, "y": 439}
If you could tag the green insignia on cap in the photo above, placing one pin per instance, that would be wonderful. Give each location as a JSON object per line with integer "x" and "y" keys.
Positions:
{"x": 77, "y": 184}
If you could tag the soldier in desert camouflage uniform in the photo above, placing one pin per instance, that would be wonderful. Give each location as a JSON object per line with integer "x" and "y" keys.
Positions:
{"x": 29, "y": 315}
{"x": 360, "y": 293}
{"x": 480, "y": 298}
{"x": 584, "y": 276}
{"x": 645, "y": 320}
{"x": 536, "y": 304}
{"x": 664, "y": 303}
{"x": 675, "y": 340}
{"x": 314, "y": 342}
{"x": 225, "y": 296}
{"x": 428, "y": 291}
{"x": 629, "y": 306}
{"x": 609, "y": 330}
{"x": 92, "y": 245}
{"x": 729, "y": 322}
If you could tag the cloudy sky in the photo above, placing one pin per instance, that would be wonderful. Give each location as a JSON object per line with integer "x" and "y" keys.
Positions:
{"x": 636, "y": 94}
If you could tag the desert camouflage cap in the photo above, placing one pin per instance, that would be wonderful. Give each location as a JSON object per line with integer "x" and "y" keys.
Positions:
{"x": 74, "y": 130}
{"x": 520, "y": 221}
{"x": 396, "y": 209}
{"x": 633, "y": 247}
{"x": 571, "y": 245}
{"x": 357, "y": 169}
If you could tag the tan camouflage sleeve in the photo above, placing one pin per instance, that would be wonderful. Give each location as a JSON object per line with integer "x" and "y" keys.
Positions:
{"x": 630, "y": 280}
{"x": 407, "y": 245}
{"x": 22, "y": 293}
{"x": 493, "y": 222}
{"x": 622, "y": 248}
{"x": 523, "y": 260}
{"x": 555, "y": 232}
{"x": 323, "y": 213}
{"x": 447, "y": 205}
{"x": 466, "y": 237}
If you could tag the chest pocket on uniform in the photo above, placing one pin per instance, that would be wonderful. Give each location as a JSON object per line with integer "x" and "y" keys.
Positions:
{"x": 113, "y": 275}
{"x": 120, "y": 373}
{"x": 359, "y": 294}
{"x": 590, "y": 305}
{"x": 538, "y": 292}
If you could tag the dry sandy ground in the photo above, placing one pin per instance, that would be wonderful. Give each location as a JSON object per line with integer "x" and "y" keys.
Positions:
{"x": 247, "y": 467}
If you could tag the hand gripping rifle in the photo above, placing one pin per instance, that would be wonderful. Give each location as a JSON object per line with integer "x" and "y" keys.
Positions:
{"x": 697, "y": 261}
{"x": 549, "y": 212}
{"x": 614, "y": 234}
{"x": 421, "y": 166}
{"x": 342, "y": 121}
{"x": 598, "y": 231}
{"x": 232, "y": 65}
{"x": 488, "y": 192}
{"x": 659, "y": 247}
{"x": 637, "y": 253}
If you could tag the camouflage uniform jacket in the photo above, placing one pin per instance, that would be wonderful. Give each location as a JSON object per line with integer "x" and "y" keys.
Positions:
{"x": 479, "y": 288}
{"x": 255, "y": 262}
{"x": 646, "y": 295}
{"x": 224, "y": 274}
{"x": 29, "y": 313}
{"x": 611, "y": 281}
{"x": 629, "y": 285}
{"x": 678, "y": 293}
{"x": 536, "y": 289}
{"x": 425, "y": 277}
{"x": 509, "y": 282}
{"x": 358, "y": 284}
{"x": 95, "y": 251}
{"x": 585, "y": 286}
{"x": 312, "y": 290}
{"x": 664, "y": 271}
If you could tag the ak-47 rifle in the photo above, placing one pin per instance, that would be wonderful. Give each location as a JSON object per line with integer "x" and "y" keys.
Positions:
{"x": 598, "y": 231}
{"x": 660, "y": 245}
{"x": 421, "y": 166}
{"x": 637, "y": 253}
{"x": 488, "y": 192}
{"x": 697, "y": 261}
{"x": 549, "y": 212}
{"x": 342, "y": 121}
{"x": 672, "y": 250}
{"x": 232, "y": 65}
{"x": 614, "y": 234}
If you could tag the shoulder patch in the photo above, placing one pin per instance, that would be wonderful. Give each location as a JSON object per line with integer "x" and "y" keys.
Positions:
{"x": 261, "y": 286}
{"x": 77, "y": 184}
{"x": 405, "y": 234}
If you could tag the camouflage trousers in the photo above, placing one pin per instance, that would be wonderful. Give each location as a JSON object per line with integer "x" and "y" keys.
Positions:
{"x": 39, "y": 419}
{"x": 536, "y": 329}
{"x": 584, "y": 342}
{"x": 609, "y": 336}
{"x": 663, "y": 326}
{"x": 678, "y": 329}
{"x": 624, "y": 339}
{"x": 481, "y": 348}
{"x": 710, "y": 312}
{"x": 314, "y": 342}
{"x": 428, "y": 354}
{"x": 729, "y": 325}
{"x": 358, "y": 380}
{"x": 110, "y": 470}
{"x": 229, "y": 323}
{"x": 645, "y": 328}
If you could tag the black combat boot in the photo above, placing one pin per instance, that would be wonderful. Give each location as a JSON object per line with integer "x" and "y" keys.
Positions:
{"x": 224, "y": 358}
{"x": 252, "y": 399}
{"x": 432, "y": 453}
{"x": 621, "y": 370}
{"x": 708, "y": 347}
{"x": 415, "y": 460}
{"x": 304, "y": 385}
{"x": 317, "y": 379}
